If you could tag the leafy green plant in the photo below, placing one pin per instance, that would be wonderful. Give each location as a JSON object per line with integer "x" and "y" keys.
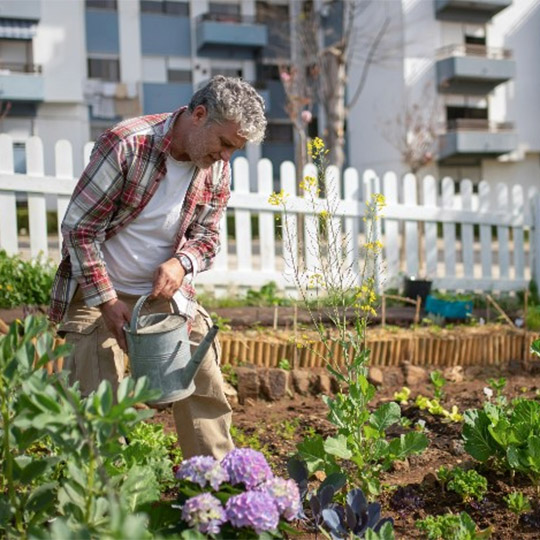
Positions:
{"x": 284, "y": 364}
{"x": 535, "y": 347}
{"x": 438, "y": 382}
{"x": 517, "y": 502}
{"x": 434, "y": 407}
{"x": 403, "y": 395}
{"x": 498, "y": 385}
{"x": 469, "y": 485}
{"x": 25, "y": 283}
{"x": 267, "y": 295}
{"x": 507, "y": 435}
{"x": 60, "y": 451}
{"x": 451, "y": 527}
{"x": 229, "y": 374}
{"x": 532, "y": 321}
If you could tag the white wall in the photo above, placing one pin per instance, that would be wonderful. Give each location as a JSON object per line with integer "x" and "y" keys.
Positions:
{"x": 130, "y": 41}
{"x": 379, "y": 102}
{"x": 525, "y": 172}
{"x": 59, "y": 46}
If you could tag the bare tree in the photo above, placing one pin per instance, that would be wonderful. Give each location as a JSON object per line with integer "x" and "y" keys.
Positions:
{"x": 414, "y": 132}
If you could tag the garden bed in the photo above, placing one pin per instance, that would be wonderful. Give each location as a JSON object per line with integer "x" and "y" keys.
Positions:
{"x": 411, "y": 489}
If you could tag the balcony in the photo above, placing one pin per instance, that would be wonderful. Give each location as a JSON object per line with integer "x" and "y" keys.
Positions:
{"x": 473, "y": 69}
{"x": 219, "y": 33}
{"x": 21, "y": 83}
{"x": 477, "y": 11}
{"x": 467, "y": 141}
{"x": 21, "y": 9}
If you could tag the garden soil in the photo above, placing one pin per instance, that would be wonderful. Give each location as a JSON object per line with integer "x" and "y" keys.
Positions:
{"x": 411, "y": 490}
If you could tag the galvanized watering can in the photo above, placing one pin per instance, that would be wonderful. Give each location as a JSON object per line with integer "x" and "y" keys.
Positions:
{"x": 159, "y": 348}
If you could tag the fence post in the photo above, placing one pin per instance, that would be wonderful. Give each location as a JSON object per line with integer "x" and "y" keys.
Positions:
{"x": 536, "y": 239}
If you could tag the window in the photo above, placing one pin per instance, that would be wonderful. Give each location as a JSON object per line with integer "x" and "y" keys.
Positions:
{"x": 226, "y": 12}
{"x": 106, "y": 69}
{"x": 167, "y": 7}
{"x": 179, "y": 75}
{"x": 279, "y": 133}
{"x": 102, "y": 4}
{"x": 227, "y": 72}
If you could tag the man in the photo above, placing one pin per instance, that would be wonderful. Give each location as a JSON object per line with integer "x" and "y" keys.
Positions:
{"x": 144, "y": 218}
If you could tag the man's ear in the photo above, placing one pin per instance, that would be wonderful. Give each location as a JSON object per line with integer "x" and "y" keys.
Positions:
{"x": 199, "y": 114}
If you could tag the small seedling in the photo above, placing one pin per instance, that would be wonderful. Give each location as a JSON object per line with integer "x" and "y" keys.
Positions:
{"x": 438, "y": 382}
{"x": 470, "y": 485}
{"x": 518, "y": 503}
{"x": 403, "y": 395}
{"x": 284, "y": 364}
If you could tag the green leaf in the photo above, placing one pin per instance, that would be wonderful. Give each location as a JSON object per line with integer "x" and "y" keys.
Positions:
{"x": 533, "y": 448}
{"x": 337, "y": 446}
{"x": 312, "y": 451}
{"x": 478, "y": 441}
{"x": 42, "y": 498}
{"x": 105, "y": 398}
{"x": 410, "y": 443}
{"x": 385, "y": 416}
{"x": 139, "y": 487}
{"x": 385, "y": 533}
{"x": 32, "y": 470}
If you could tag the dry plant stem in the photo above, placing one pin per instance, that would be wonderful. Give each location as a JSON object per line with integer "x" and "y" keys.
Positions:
{"x": 500, "y": 310}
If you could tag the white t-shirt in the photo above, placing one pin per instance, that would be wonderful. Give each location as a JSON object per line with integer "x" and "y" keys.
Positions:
{"x": 134, "y": 253}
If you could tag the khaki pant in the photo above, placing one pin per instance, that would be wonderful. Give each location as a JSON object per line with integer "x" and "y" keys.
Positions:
{"x": 202, "y": 420}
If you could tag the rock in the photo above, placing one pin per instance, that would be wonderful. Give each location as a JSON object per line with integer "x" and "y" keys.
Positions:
{"x": 248, "y": 384}
{"x": 414, "y": 375}
{"x": 454, "y": 374}
{"x": 375, "y": 376}
{"x": 430, "y": 481}
{"x": 457, "y": 447}
{"x": 273, "y": 383}
{"x": 393, "y": 377}
{"x": 301, "y": 381}
{"x": 230, "y": 393}
{"x": 321, "y": 384}
{"x": 401, "y": 465}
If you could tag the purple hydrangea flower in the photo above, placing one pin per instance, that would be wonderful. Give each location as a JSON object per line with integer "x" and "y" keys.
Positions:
{"x": 202, "y": 470}
{"x": 205, "y": 513}
{"x": 255, "y": 509}
{"x": 285, "y": 494}
{"x": 246, "y": 466}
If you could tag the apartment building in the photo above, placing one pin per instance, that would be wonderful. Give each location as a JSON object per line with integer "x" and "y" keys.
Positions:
{"x": 71, "y": 68}
{"x": 475, "y": 65}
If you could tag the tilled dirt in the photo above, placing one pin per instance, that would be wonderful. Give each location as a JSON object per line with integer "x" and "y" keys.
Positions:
{"x": 411, "y": 490}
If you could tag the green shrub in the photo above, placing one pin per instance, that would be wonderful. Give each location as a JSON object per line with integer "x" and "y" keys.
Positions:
{"x": 24, "y": 282}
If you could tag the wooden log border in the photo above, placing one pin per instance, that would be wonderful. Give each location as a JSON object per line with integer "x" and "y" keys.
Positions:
{"x": 463, "y": 349}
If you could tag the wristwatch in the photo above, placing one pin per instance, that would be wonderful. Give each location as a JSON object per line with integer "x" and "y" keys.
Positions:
{"x": 185, "y": 261}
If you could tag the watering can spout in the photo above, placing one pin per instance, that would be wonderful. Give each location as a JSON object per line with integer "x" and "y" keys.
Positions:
{"x": 190, "y": 370}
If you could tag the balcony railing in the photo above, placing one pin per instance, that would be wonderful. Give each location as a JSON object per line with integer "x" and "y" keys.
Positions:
{"x": 478, "y": 124}
{"x": 468, "y": 49}
{"x": 14, "y": 67}
{"x": 228, "y": 17}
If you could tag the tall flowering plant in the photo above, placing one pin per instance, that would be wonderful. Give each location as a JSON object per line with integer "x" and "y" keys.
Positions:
{"x": 237, "y": 497}
{"x": 335, "y": 278}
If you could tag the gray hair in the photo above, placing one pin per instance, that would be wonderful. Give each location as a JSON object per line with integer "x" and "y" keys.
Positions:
{"x": 232, "y": 99}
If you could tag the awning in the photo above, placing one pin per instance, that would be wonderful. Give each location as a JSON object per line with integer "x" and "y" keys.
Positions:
{"x": 17, "y": 29}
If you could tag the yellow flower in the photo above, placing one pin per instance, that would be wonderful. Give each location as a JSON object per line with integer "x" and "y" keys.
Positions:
{"x": 324, "y": 214}
{"x": 316, "y": 147}
{"x": 9, "y": 287}
{"x": 278, "y": 199}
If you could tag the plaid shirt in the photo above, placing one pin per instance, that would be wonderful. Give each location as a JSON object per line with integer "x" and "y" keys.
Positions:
{"x": 124, "y": 171}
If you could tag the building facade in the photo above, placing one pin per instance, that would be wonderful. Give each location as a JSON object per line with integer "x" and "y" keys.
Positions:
{"x": 71, "y": 68}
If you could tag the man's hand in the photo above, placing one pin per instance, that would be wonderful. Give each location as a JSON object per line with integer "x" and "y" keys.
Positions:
{"x": 167, "y": 279}
{"x": 115, "y": 314}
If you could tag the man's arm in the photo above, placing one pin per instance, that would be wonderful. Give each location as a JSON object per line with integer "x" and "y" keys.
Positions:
{"x": 84, "y": 227}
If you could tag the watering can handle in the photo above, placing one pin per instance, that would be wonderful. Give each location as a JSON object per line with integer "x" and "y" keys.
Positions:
{"x": 137, "y": 310}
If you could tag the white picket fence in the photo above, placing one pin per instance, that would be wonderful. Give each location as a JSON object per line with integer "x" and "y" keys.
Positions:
{"x": 487, "y": 240}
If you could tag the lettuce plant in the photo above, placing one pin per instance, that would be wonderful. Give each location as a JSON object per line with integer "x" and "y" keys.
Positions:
{"x": 451, "y": 527}
{"x": 469, "y": 485}
{"x": 517, "y": 502}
